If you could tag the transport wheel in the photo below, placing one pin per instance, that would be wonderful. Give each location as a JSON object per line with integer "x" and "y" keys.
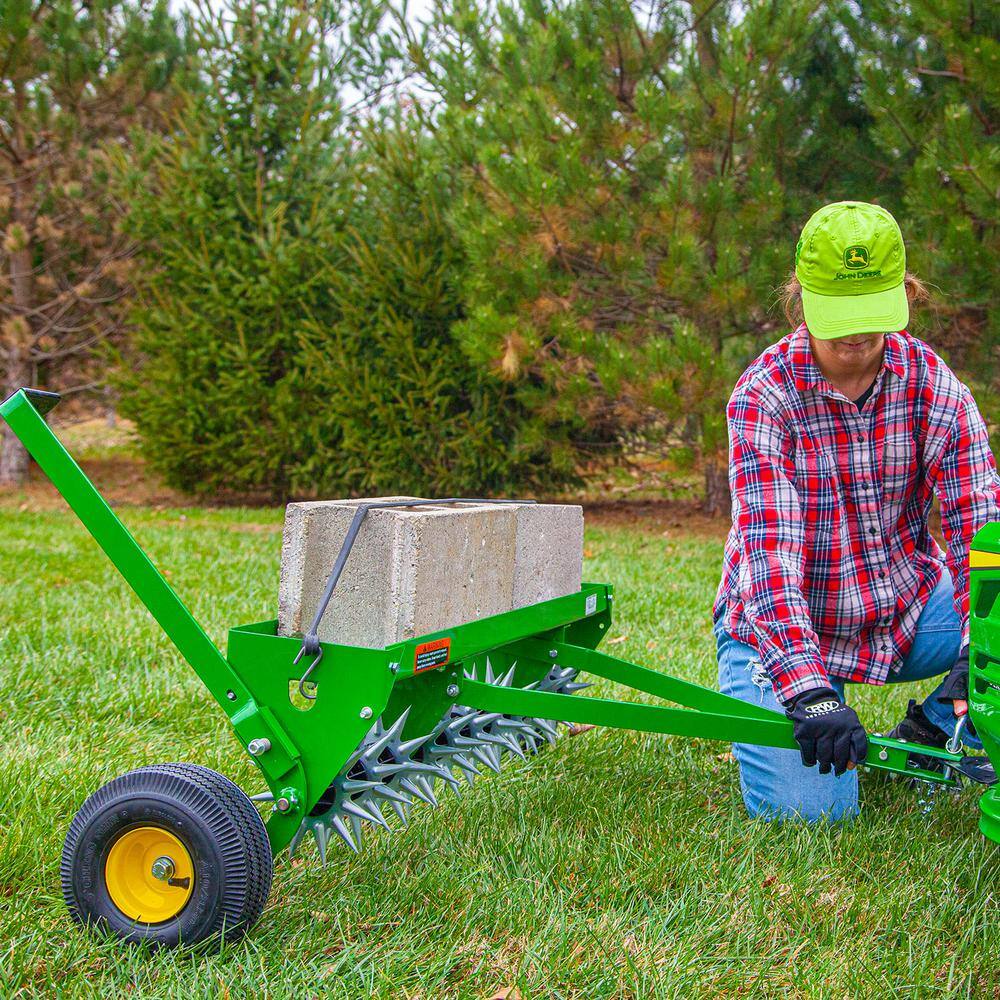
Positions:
{"x": 171, "y": 854}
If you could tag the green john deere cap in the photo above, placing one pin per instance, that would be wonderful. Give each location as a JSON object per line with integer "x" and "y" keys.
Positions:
{"x": 850, "y": 262}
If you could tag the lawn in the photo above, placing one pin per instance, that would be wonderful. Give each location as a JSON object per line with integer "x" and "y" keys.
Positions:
{"x": 612, "y": 865}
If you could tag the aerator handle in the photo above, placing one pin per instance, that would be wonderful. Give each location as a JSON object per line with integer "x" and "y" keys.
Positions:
{"x": 310, "y": 641}
{"x": 41, "y": 400}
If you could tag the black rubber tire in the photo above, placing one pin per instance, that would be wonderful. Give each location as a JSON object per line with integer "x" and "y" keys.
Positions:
{"x": 216, "y": 822}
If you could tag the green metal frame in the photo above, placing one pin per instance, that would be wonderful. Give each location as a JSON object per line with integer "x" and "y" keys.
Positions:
{"x": 308, "y": 742}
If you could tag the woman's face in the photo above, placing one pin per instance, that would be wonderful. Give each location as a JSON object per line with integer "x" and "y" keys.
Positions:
{"x": 858, "y": 352}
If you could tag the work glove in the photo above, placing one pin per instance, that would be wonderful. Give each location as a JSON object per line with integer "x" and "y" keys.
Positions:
{"x": 827, "y": 731}
{"x": 956, "y": 684}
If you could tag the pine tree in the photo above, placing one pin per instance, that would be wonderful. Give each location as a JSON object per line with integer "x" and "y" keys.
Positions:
{"x": 634, "y": 181}
{"x": 75, "y": 76}
{"x": 932, "y": 83}
{"x": 239, "y": 215}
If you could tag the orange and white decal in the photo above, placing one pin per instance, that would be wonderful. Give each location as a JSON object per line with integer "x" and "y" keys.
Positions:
{"x": 431, "y": 654}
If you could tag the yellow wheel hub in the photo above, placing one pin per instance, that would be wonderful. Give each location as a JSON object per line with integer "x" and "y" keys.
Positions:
{"x": 149, "y": 875}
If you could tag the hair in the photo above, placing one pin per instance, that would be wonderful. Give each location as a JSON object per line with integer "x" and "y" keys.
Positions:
{"x": 790, "y": 295}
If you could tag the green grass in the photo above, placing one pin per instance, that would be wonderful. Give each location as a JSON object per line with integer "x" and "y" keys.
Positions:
{"x": 613, "y": 865}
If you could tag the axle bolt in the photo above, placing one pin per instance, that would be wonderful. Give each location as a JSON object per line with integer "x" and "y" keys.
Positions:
{"x": 258, "y": 747}
{"x": 452, "y": 690}
{"x": 163, "y": 869}
{"x": 282, "y": 805}
{"x": 366, "y": 712}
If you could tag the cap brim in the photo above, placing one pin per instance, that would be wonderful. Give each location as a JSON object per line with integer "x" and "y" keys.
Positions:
{"x": 832, "y": 316}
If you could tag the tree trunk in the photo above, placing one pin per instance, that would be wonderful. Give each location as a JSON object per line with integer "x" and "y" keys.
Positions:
{"x": 717, "y": 498}
{"x": 13, "y": 459}
{"x": 17, "y": 332}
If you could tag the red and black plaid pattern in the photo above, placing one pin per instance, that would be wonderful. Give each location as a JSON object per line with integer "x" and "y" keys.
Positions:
{"x": 829, "y": 561}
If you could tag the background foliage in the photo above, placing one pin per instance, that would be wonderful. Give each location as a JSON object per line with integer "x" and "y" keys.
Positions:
{"x": 506, "y": 244}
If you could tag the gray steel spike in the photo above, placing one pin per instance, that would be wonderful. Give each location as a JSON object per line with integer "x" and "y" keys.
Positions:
{"x": 399, "y": 807}
{"x": 263, "y": 797}
{"x": 470, "y": 674}
{"x": 443, "y": 751}
{"x": 485, "y": 718}
{"x": 352, "y": 785}
{"x": 490, "y": 679}
{"x": 444, "y": 774}
{"x": 426, "y": 785}
{"x": 372, "y": 806}
{"x": 512, "y": 722}
{"x": 297, "y": 838}
{"x": 483, "y": 757}
{"x": 386, "y": 736}
{"x": 322, "y": 835}
{"x": 511, "y": 744}
{"x": 547, "y": 729}
{"x": 487, "y": 737}
{"x": 409, "y": 786}
{"x": 465, "y": 765}
{"x": 357, "y": 809}
{"x": 507, "y": 679}
{"x": 494, "y": 754}
{"x": 463, "y": 720}
{"x": 340, "y": 827}
{"x": 385, "y": 771}
{"x": 411, "y": 746}
{"x": 356, "y": 829}
{"x": 390, "y": 793}
{"x": 575, "y": 686}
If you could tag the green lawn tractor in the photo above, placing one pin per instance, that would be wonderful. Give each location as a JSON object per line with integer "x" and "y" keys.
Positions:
{"x": 349, "y": 739}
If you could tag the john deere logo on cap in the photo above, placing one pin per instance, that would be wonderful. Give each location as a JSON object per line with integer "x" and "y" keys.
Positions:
{"x": 856, "y": 257}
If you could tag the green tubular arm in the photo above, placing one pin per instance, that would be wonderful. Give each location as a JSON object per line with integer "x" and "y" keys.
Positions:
{"x": 709, "y": 715}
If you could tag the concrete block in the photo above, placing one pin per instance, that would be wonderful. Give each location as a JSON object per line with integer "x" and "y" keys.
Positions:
{"x": 419, "y": 570}
{"x": 548, "y": 558}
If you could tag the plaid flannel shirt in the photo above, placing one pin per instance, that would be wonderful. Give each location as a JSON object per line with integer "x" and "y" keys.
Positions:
{"x": 829, "y": 561}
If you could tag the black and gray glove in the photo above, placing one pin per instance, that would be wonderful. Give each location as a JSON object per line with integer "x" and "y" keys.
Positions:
{"x": 827, "y": 731}
{"x": 956, "y": 684}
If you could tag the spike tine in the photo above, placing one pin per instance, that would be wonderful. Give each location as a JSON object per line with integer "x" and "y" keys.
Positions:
{"x": 297, "y": 839}
{"x": 487, "y": 718}
{"x": 357, "y": 830}
{"x": 374, "y": 750}
{"x": 507, "y": 679}
{"x": 490, "y": 679}
{"x": 426, "y": 785}
{"x": 445, "y": 775}
{"x": 390, "y": 793}
{"x": 492, "y": 738}
{"x": 483, "y": 757}
{"x": 263, "y": 797}
{"x": 399, "y": 808}
{"x": 411, "y": 746}
{"x": 340, "y": 828}
{"x": 356, "y": 809}
{"x": 465, "y": 764}
{"x": 352, "y": 785}
{"x": 575, "y": 686}
{"x": 410, "y": 786}
{"x": 376, "y": 813}
{"x": 384, "y": 771}
{"x": 322, "y": 835}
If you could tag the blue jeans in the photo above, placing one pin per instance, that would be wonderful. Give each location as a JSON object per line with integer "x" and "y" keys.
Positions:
{"x": 775, "y": 783}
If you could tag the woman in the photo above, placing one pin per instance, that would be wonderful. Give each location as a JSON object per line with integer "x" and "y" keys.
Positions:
{"x": 840, "y": 436}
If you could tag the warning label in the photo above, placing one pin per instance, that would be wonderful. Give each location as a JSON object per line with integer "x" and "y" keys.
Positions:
{"x": 431, "y": 654}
